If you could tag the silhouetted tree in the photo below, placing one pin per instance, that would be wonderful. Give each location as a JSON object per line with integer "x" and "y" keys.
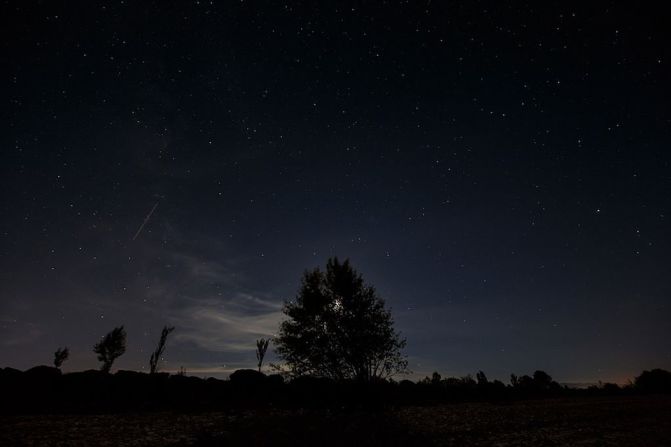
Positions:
{"x": 481, "y": 378}
{"x": 110, "y": 347}
{"x": 60, "y": 356}
{"x": 261, "y": 348}
{"x": 338, "y": 327}
{"x": 158, "y": 353}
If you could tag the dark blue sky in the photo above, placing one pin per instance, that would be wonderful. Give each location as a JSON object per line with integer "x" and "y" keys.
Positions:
{"x": 499, "y": 171}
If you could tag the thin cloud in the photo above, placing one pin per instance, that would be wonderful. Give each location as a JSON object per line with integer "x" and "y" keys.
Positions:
{"x": 231, "y": 326}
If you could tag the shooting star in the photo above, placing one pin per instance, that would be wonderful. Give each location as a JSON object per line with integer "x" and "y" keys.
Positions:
{"x": 144, "y": 222}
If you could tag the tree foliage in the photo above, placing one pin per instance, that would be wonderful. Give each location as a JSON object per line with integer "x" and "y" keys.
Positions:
{"x": 158, "y": 352}
{"x": 110, "y": 347}
{"x": 60, "y": 356}
{"x": 338, "y": 327}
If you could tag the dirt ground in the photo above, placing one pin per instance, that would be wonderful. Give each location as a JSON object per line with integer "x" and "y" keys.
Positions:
{"x": 617, "y": 421}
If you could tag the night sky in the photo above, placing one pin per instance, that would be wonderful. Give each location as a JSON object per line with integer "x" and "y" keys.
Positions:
{"x": 500, "y": 172}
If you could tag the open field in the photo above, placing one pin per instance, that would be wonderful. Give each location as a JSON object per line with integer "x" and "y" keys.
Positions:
{"x": 616, "y": 421}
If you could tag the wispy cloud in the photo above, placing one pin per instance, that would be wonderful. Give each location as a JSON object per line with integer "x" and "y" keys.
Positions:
{"x": 228, "y": 326}
{"x": 213, "y": 305}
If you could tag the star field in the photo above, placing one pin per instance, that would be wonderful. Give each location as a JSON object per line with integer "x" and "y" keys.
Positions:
{"x": 498, "y": 170}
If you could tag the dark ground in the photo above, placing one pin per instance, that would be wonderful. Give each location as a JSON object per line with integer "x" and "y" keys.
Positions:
{"x": 614, "y": 421}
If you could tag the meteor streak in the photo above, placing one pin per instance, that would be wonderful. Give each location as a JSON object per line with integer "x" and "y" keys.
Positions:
{"x": 144, "y": 222}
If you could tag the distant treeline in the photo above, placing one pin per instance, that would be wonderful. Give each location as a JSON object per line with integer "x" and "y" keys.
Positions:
{"x": 45, "y": 389}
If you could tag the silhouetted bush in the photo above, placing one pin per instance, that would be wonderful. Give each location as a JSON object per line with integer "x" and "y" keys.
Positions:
{"x": 605, "y": 389}
{"x": 44, "y": 389}
{"x": 275, "y": 380}
{"x": 247, "y": 378}
{"x": 611, "y": 388}
{"x": 542, "y": 380}
{"x": 42, "y": 373}
{"x": 314, "y": 391}
{"x": 541, "y": 384}
{"x": 654, "y": 381}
